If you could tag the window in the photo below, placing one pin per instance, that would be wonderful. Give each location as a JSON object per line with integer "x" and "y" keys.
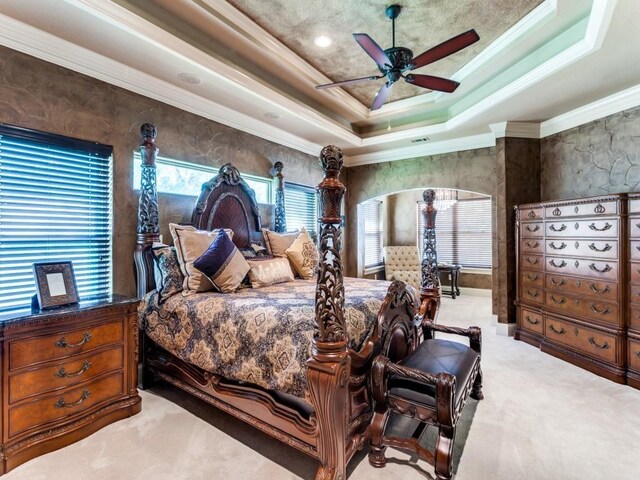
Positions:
{"x": 300, "y": 206}
{"x": 463, "y": 233}
{"x": 184, "y": 178}
{"x": 372, "y": 233}
{"x": 55, "y": 204}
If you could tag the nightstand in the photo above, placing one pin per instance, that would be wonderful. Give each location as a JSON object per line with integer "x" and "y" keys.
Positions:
{"x": 66, "y": 373}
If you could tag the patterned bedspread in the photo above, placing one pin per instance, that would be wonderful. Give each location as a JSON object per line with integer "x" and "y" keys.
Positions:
{"x": 262, "y": 336}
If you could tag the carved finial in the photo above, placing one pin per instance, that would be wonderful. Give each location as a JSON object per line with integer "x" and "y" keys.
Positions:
{"x": 429, "y": 196}
{"x": 277, "y": 167}
{"x": 331, "y": 160}
{"x": 229, "y": 174}
{"x": 149, "y": 132}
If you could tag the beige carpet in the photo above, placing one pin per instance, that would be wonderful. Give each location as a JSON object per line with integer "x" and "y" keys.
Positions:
{"x": 541, "y": 419}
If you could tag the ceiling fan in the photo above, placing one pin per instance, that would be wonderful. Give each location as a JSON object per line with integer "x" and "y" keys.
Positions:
{"x": 395, "y": 62}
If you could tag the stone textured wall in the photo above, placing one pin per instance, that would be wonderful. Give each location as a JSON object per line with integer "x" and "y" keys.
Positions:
{"x": 597, "y": 158}
{"x": 42, "y": 96}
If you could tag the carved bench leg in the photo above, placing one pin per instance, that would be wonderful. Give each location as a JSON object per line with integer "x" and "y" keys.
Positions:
{"x": 444, "y": 452}
{"x": 378, "y": 424}
{"x": 476, "y": 391}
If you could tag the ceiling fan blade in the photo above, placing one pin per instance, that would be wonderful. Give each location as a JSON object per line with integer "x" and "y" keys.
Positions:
{"x": 446, "y": 48}
{"x": 349, "y": 82}
{"x": 369, "y": 45}
{"x": 381, "y": 96}
{"x": 432, "y": 83}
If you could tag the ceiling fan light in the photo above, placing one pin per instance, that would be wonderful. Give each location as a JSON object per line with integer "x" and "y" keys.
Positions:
{"x": 322, "y": 41}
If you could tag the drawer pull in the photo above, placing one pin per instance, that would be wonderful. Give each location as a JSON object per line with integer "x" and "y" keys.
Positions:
{"x": 535, "y": 245}
{"x": 562, "y": 228}
{"x": 638, "y": 354}
{"x": 534, "y": 278}
{"x": 638, "y": 247}
{"x": 558, "y": 302}
{"x": 604, "y": 346}
{"x": 63, "y": 404}
{"x": 560, "y": 265}
{"x": 553, "y": 245}
{"x": 534, "y": 262}
{"x": 606, "y": 227}
{"x": 537, "y": 227}
{"x": 62, "y": 343}
{"x": 606, "y": 248}
{"x": 595, "y": 289}
{"x": 534, "y": 322}
{"x": 560, "y": 283}
{"x": 562, "y": 331}
{"x": 557, "y": 212}
{"x": 599, "y": 209}
{"x": 86, "y": 365}
{"x": 604, "y": 311}
{"x": 531, "y": 214}
{"x": 534, "y": 294}
{"x": 606, "y": 269}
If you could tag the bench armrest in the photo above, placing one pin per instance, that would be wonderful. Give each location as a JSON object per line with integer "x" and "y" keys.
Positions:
{"x": 473, "y": 333}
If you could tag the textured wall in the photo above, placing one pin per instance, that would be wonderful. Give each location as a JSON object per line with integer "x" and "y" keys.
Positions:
{"x": 599, "y": 157}
{"x": 39, "y": 95}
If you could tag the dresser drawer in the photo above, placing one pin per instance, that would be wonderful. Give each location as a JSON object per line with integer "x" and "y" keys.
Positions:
{"x": 582, "y": 286}
{"x": 532, "y": 262}
{"x": 634, "y": 355}
{"x": 532, "y": 294}
{"x": 532, "y": 321}
{"x": 595, "y": 228}
{"x": 634, "y": 227}
{"x": 531, "y": 278}
{"x": 583, "y": 209}
{"x": 589, "y": 341}
{"x": 634, "y": 205}
{"x": 602, "y": 312}
{"x": 634, "y": 317}
{"x": 634, "y": 294}
{"x": 634, "y": 250}
{"x": 635, "y": 273}
{"x": 583, "y": 248}
{"x": 531, "y": 245}
{"x": 531, "y": 230}
{"x": 55, "y": 376}
{"x": 533, "y": 213}
{"x": 65, "y": 403}
{"x": 597, "y": 269}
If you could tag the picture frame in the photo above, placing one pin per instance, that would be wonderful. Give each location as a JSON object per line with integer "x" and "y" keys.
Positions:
{"x": 55, "y": 284}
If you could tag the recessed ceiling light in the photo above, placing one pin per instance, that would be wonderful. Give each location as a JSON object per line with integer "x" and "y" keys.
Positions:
{"x": 189, "y": 78}
{"x": 271, "y": 115}
{"x": 322, "y": 41}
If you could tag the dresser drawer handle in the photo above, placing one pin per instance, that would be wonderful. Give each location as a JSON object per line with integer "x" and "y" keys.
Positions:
{"x": 531, "y": 214}
{"x": 534, "y": 322}
{"x": 558, "y": 302}
{"x": 604, "y": 311}
{"x": 534, "y": 262}
{"x": 638, "y": 354}
{"x": 535, "y": 245}
{"x": 595, "y": 289}
{"x": 534, "y": 294}
{"x": 554, "y": 229}
{"x": 606, "y": 269}
{"x": 537, "y": 227}
{"x": 560, "y": 283}
{"x": 534, "y": 278}
{"x": 553, "y": 245}
{"x": 562, "y": 264}
{"x": 62, "y": 343}
{"x": 562, "y": 331}
{"x": 607, "y": 226}
{"x": 604, "y": 346}
{"x": 62, "y": 404}
{"x": 557, "y": 212}
{"x": 599, "y": 209}
{"x": 638, "y": 247}
{"x": 86, "y": 365}
{"x": 606, "y": 248}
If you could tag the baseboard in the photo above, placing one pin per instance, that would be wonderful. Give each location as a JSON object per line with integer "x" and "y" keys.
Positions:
{"x": 476, "y": 292}
{"x": 494, "y": 320}
{"x": 505, "y": 329}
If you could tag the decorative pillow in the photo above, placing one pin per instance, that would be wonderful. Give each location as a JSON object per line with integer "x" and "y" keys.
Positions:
{"x": 190, "y": 244}
{"x": 277, "y": 243}
{"x": 223, "y": 264}
{"x": 170, "y": 278}
{"x": 254, "y": 251}
{"x": 303, "y": 254}
{"x": 265, "y": 272}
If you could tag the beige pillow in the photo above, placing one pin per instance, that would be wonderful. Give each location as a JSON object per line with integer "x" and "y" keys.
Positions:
{"x": 277, "y": 243}
{"x": 269, "y": 272}
{"x": 303, "y": 254}
{"x": 190, "y": 243}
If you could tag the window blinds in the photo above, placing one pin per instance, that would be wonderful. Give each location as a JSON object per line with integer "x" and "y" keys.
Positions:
{"x": 463, "y": 233}
{"x": 55, "y": 205}
{"x": 300, "y": 207}
{"x": 372, "y": 233}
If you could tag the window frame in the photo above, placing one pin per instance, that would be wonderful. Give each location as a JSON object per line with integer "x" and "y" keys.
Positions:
{"x": 379, "y": 265}
{"x": 306, "y": 189}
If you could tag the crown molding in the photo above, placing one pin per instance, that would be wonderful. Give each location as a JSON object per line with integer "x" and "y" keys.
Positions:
{"x": 516, "y": 129}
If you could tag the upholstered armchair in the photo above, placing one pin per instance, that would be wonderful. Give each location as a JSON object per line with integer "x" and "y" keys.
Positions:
{"x": 402, "y": 263}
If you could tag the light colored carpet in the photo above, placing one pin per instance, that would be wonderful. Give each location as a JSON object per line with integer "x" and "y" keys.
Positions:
{"x": 541, "y": 419}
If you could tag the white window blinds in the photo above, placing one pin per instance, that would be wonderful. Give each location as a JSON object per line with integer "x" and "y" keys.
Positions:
{"x": 55, "y": 205}
{"x": 463, "y": 233}
{"x": 300, "y": 207}
{"x": 372, "y": 233}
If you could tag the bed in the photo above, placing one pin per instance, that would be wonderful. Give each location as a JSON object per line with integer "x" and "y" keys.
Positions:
{"x": 293, "y": 360}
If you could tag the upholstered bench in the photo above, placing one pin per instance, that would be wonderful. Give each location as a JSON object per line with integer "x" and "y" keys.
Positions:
{"x": 430, "y": 385}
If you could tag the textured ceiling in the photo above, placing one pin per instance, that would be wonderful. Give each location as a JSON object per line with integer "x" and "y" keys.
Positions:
{"x": 421, "y": 25}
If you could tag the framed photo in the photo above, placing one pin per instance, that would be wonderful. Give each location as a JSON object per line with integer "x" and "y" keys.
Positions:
{"x": 55, "y": 284}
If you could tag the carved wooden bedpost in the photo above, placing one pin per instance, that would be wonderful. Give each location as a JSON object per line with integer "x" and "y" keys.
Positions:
{"x": 280, "y": 220}
{"x": 430, "y": 282}
{"x": 330, "y": 364}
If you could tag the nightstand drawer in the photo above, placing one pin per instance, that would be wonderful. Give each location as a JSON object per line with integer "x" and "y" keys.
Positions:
{"x": 61, "y": 345}
{"x": 65, "y": 403}
{"x": 60, "y": 375}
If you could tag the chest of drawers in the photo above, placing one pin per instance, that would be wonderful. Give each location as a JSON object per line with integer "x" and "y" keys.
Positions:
{"x": 633, "y": 341}
{"x": 65, "y": 374}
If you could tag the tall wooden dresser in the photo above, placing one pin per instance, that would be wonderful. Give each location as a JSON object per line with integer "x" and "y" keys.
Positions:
{"x": 572, "y": 270}
{"x": 633, "y": 375}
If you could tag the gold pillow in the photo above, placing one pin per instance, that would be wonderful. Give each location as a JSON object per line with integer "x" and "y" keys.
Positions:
{"x": 277, "y": 243}
{"x": 303, "y": 254}
{"x": 190, "y": 243}
{"x": 269, "y": 272}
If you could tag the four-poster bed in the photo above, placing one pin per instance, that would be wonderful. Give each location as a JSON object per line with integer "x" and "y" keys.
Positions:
{"x": 331, "y": 421}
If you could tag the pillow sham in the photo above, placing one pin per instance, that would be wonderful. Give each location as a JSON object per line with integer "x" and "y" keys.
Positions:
{"x": 169, "y": 278}
{"x": 303, "y": 254}
{"x": 269, "y": 271}
{"x": 223, "y": 264}
{"x": 190, "y": 244}
{"x": 277, "y": 243}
